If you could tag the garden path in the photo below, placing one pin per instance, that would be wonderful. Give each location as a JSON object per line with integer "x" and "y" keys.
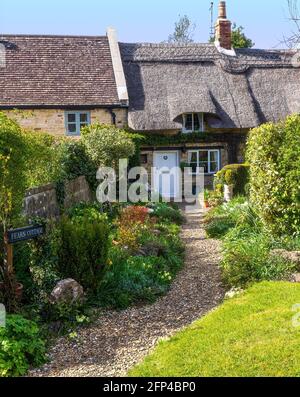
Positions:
{"x": 120, "y": 340}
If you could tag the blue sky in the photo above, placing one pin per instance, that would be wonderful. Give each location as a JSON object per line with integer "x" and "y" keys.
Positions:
{"x": 265, "y": 21}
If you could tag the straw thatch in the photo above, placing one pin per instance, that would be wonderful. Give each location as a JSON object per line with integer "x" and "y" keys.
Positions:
{"x": 166, "y": 80}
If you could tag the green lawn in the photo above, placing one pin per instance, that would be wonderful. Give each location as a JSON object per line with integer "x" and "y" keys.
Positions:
{"x": 251, "y": 335}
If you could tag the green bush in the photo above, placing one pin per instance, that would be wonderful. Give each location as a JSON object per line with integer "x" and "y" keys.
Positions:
{"x": 92, "y": 212}
{"x": 106, "y": 144}
{"x": 12, "y": 145}
{"x": 75, "y": 162}
{"x": 134, "y": 280}
{"x": 274, "y": 155}
{"x": 20, "y": 346}
{"x": 247, "y": 259}
{"x": 167, "y": 213}
{"x": 220, "y": 220}
{"x": 84, "y": 248}
{"x": 236, "y": 175}
{"x": 44, "y": 260}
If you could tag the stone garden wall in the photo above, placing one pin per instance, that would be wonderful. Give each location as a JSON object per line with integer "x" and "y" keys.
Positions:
{"x": 42, "y": 201}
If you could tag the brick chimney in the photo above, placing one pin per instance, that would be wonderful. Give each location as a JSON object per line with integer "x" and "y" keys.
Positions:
{"x": 223, "y": 28}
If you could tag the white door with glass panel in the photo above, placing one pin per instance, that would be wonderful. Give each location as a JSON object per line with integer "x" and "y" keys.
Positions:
{"x": 166, "y": 174}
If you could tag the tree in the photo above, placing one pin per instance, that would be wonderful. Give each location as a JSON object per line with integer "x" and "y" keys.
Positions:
{"x": 294, "y": 16}
{"x": 184, "y": 31}
{"x": 106, "y": 144}
{"x": 239, "y": 39}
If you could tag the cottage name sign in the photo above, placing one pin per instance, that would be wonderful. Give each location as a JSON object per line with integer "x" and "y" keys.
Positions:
{"x": 25, "y": 233}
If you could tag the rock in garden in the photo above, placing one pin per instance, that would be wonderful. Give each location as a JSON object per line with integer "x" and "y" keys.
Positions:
{"x": 233, "y": 292}
{"x": 292, "y": 256}
{"x": 296, "y": 278}
{"x": 67, "y": 291}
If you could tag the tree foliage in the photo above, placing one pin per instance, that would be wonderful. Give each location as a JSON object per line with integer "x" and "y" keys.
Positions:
{"x": 106, "y": 144}
{"x": 184, "y": 31}
{"x": 238, "y": 38}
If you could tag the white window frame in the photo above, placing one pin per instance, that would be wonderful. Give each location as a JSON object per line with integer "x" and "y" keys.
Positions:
{"x": 201, "y": 119}
{"x": 209, "y": 151}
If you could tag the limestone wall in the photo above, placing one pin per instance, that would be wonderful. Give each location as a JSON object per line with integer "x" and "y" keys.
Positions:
{"x": 53, "y": 120}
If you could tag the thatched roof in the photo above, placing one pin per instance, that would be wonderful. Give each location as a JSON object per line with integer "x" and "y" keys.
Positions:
{"x": 166, "y": 80}
{"x": 57, "y": 71}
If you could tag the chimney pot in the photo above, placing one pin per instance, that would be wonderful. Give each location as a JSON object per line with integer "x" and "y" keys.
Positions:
{"x": 223, "y": 28}
{"x": 222, "y": 10}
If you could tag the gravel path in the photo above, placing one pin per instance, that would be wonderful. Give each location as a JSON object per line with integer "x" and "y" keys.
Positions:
{"x": 119, "y": 340}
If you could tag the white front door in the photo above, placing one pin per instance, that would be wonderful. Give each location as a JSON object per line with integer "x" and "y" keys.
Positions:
{"x": 166, "y": 173}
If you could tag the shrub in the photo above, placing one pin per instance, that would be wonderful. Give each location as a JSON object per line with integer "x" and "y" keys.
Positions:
{"x": 92, "y": 212}
{"x": 137, "y": 279}
{"x": 167, "y": 213}
{"x": 274, "y": 155}
{"x": 75, "y": 162}
{"x": 220, "y": 220}
{"x": 20, "y": 346}
{"x": 132, "y": 221}
{"x": 236, "y": 175}
{"x": 13, "y": 147}
{"x": 84, "y": 248}
{"x": 44, "y": 260}
{"x": 247, "y": 259}
{"x": 106, "y": 145}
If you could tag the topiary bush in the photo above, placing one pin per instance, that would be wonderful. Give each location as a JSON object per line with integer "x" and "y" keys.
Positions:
{"x": 236, "y": 175}
{"x": 274, "y": 156}
{"x": 20, "y": 346}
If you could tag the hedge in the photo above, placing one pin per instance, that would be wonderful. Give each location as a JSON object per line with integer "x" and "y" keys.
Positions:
{"x": 274, "y": 156}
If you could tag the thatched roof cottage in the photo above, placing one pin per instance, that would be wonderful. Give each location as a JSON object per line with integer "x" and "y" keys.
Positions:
{"x": 195, "y": 102}
{"x": 206, "y": 97}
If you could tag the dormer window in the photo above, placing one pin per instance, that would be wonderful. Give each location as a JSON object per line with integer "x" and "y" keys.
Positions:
{"x": 193, "y": 122}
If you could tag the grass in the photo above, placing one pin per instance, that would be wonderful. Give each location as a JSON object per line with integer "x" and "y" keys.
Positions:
{"x": 251, "y": 335}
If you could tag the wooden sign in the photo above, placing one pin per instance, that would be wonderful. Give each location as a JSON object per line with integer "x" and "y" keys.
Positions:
{"x": 25, "y": 233}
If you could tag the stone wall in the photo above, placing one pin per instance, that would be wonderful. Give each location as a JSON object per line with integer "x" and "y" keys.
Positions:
{"x": 77, "y": 191}
{"x": 42, "y": 201}
{"x": 53, "y": 120}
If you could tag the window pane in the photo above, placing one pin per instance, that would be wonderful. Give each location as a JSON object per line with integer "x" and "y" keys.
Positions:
{"x": 197, "y": 122}
{"x": 193, "y": 157}
{"x": 72, "y": 128}
{"x": 214, "y": 156}
{"x": 188, "y": 122}
{"x": 204, "y": 165}
{"x": 72, "y": 118}
{"x": 83, "y": 117}
{"x": 203, "y": 155}
{"x": 214, "y": 167}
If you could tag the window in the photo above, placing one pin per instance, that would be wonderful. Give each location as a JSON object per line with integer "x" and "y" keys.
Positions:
{"x": 193, "y": 122}
{"x": 75, "y": 121}
{"x": 207, "y": 159}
